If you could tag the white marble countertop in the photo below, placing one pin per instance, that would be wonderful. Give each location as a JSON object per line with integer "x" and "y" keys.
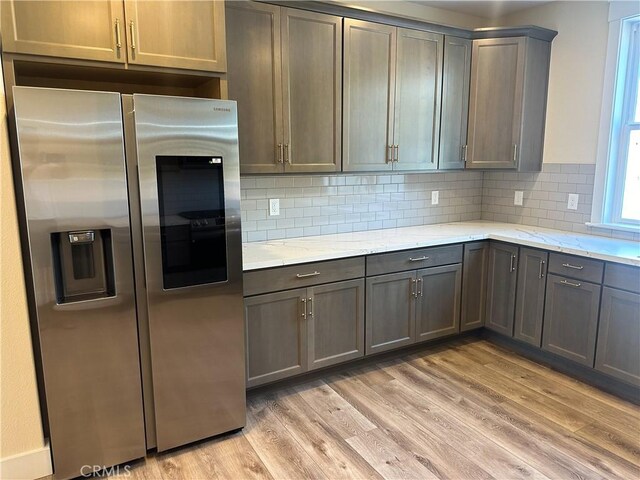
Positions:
{"x": 290, "y": 251}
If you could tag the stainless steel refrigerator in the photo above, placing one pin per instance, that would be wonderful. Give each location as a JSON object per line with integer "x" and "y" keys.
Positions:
{"x": 132, "y": 213}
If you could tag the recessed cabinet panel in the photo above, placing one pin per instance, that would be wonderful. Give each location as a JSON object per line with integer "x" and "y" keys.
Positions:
{"x": 455, "y": 103}
{"x": 369, "y": 71}
{"x": 88, "y": 30}
{"x": 501, "y": 288}
{"x": 276, "y": 336}
{"x": 390, "y": 311}
{"x": 474, "y": 285}
{"x": 312, "y": 91}
{"x": 438, "y": 302}
{"x": 495, "y": 111}
{"x": 618, "y": 351}
{"x": 336, "y": 323}
{"x": 532, "y": 267}
{"x": 571, "y": 318}
{"x": 176, "y": 33}
{"x": 417, "y": 108}
{"x": 255, "y": 82}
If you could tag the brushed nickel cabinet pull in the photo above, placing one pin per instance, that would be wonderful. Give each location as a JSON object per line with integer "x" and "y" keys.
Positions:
{"x": 420, "y": 286}
{"x": 515, "y": 153}
{"x": 310, "y": 303}
{"x": 414, "y": 293}
{"x": 305, "y": 275}
{"x": 575, "y": 267}
{"x": 541, "y": 269}
{"x": 512, "y": 266}
{"x": 286, "y": 154}
{"x": 118, "y": 35}
{"x": 571, "y": 284}
{"x": 397, "y": 155}
{"x": 389, "y": 158}
{"x": 304, "y": 307}
{"x": 279, "y": 153}
{"x": 132, "y": 28}
{"x": 418, "y": 259}
{"x": 464, "y": 153}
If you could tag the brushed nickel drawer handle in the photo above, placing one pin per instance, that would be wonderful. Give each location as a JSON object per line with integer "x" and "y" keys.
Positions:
{"x": 575, "y": 267}
{"x": 118, "y": 34}
{"x": 418, "y": 259}
{"x": 305, "y": 275}
{"x": 571, "y": 284}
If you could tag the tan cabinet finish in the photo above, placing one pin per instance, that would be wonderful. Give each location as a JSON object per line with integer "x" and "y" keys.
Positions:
{"x": 474, "y": 285}
{"x": 88, "y": 30}
{"x": 455, "y": 103}
{"x": 507, "y": 106}
{"x": 286, "y": 77}
{"x": 368, "y": 89}
{"x": 176, "y": 33}
{"x": 418, "y": 86}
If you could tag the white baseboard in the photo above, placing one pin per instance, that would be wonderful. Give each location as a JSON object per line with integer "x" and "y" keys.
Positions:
{"x": 27, "y": 465}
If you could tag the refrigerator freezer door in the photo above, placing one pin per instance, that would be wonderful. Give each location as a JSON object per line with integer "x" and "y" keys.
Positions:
{"x": 73, "y": 177}
{"x": 188, "y": 167}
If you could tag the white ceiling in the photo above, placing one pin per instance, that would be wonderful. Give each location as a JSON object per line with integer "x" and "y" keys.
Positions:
{"x": 482, "y": 8}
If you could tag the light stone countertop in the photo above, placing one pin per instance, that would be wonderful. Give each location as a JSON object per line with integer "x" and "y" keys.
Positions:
{"x": 291, "y": 251}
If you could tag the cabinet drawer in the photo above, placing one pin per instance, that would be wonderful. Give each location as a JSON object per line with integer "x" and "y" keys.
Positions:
{"x": 304, "y": 275}
{"x": 576, "y": 267}
{"x": 624, "y": 277}
{"x": 413, "y": 259}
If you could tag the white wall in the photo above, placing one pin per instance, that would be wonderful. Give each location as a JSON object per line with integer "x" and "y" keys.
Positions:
{"x": 576, "y": 76}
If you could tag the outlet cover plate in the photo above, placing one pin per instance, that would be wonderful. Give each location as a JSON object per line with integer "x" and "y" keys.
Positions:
{"x": 274, "y": 207}
{"x": 435, "y": 197}
{"x": 517, "y": 199}
{"x": 572, "y": 202}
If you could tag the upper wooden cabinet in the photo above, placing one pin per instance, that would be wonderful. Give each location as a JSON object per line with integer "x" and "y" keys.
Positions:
{"x": 509, "y": 78}
{"x": 285, "y": 71}
{"x": 164, "y": 33}
{"x": 392, "y": 84}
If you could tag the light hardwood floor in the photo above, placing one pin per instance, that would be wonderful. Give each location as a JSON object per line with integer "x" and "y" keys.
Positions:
{"x": 464, "y": 410}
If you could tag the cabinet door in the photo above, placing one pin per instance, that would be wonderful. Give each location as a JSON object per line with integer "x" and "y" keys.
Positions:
{"x": 390, "y": 311}
{"x": 312, "y": 91}
{"x": 495, "y": 109}
{"x": 255, "y": 82}
{"x": 571, "y": 318}
{"x": 88, "y": 30}
{"x": 501, "y": 288}
{"x": 187, "y": 34}
{"x": 438, "y": 302}
{"x": 532, "y": 266}
{"x": 474, "y": 285}
{"x": 276, "y": 336}
{"x": 336, "y": 323}
{"x": 618, "y": 351}
{"x": 455, "y": 102}
{"x": 368, "y": 89}
{"x": 418, "y": 87}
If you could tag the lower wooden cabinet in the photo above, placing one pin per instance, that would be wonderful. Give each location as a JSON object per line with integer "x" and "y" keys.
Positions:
{"x": 438, "y": 301}
{"x": 335, "y": 322}
{"x": 390, "y": 311}
{"x": 501, "y": 288}
{"x": 474, "y": 285}
{"x": 532, "y": 267}
{"x": 618, "y": 351}
{"x": 571, "y": 318}
{"x": 295, "y": 331}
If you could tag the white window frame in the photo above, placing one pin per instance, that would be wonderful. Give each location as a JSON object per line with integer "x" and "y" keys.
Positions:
{"x": 615, "y": 122}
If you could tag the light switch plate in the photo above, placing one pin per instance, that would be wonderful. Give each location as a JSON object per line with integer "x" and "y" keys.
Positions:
{"x": 435, "y": 197}
{"x": 572, "y": 203}
{"x": 517, "y": 199}
{"x": 274, "y": 207}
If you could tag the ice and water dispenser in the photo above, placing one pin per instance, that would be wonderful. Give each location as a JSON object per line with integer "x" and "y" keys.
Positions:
{"x": 83, "y": 265}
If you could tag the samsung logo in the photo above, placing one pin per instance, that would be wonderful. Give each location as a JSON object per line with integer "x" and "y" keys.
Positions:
{"x": 221, "y": 109}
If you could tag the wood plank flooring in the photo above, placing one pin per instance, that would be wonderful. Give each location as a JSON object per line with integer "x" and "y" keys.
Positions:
{"x": 467, "y": 410}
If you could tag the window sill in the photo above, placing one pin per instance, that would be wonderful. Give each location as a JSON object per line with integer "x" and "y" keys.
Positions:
{"x": 615, "y": 226}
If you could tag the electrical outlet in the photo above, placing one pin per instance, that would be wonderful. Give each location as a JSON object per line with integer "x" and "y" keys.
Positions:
{"x": 572, "y": 203}
{"x": 435, "y": 197}
{"x": 274, "y": 207}
{"x": 517, "y": 200}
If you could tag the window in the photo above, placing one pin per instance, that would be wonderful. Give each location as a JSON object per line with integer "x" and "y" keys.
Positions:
{"x": 621, "y": 192}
